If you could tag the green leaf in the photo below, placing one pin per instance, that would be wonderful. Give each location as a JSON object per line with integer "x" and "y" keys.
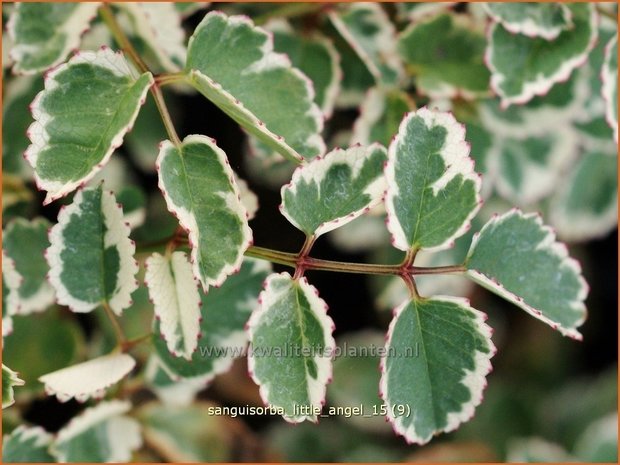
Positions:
{"x": 586, "y": 204}
{"x": 229, "y": 58}
{"x": 291, "y": 347}
{"x": 445, "y": 53}
{"x": 530, "y": 168}
{"x": 414, "y": 11}
{"x": 45, "y": 33}
{"x": 380, "y": 116}
{"x": 315, "y": 56}
{"x": 133, "y": 200}
{"x": 225, "y": 312}
{"x": 10, "y": 379}
{"x": 315, "y": 201}
{"x": 24, "y": 242}
{"x": 599, "y": 441}
{"x": 91, "y": 256}
{"x": 438, "y": 353}
{"x": 174, "y": 292}
{"x": 516, "y": 257}
{"x": 159, "y": 26}
{"x": 198, "y": 184}
{"x": 522, "y": 67}
{"x": 546, "y": 20}
{"x": 77, "y": 126}
{"x": 433, "y": 191}
{"x": 369, "y": 32}
{"x": 609, "y": 75}
{"x": 11, "y": 281}
{"x": 88, "y": 379}
{"x": 169, "y": 387}
{"x": 99, "y": 434}
{"x": 27, "y": 444}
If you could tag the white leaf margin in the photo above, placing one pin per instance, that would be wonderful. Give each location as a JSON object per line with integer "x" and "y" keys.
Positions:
{"x": 187, "y": 219}
{"x": 542, "y": 84}
{"x": 474, "y": 380}
{"x": 37, "y": 132}
{"x": 123, "y": 432}
{"x": 548, "y": 243}
{"x": 610, "y": 81}
{"x": 88, "y": 379}
{"x": 173, "y": 290}
{"x": 75, "y": 26}
{"x": 117, "y": 234}
{"x": 248, "y": 198}
{"x": 528, "y": 26}
{"x": 12, "y": 279}
{"x": 455, "y": 154}
{"x": 14, "y": 380}
{"x": 316, "y": 388}
{"x": 315, "y": 172}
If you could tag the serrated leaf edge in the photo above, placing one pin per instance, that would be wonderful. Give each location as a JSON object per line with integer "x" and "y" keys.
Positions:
{"x": 318, "y": 388}
{"x": 75, "y": 27}
{"x": 37, "y": 132}
{"x": 528, "y": 27}
{"x": 609, "y": 81}
{"x": 117, "y": 233}
{"x": 474, "y": 380}
{"x": 548, "y": 243}
{"x": 13, "y": 280}
{"x": 315, "y": 171}
{"x": 14, "y": 380}
{"x": 455, "y": 154}
{"x": 24, "y": 433}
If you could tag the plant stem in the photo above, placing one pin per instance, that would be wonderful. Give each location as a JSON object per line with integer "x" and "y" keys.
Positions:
{"x": 121, "y": 340}
{"x": 165, "y": 114}
{"x": 165, "y": 79}
{"x": 127, "y": 345}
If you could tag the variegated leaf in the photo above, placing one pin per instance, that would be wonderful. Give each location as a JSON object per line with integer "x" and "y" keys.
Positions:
{"x": 516, "y": 257}
{"x": 27, "y": 445}
{"x": 11, "y": 282}
{"x": 45, "y": 33}
{"x": 229, "y": 58}
{"x": 523, "y": 67}
{"x": 315, "y": 56}
{"x": 380, "y": 116}
{"x": 585, "y": 206}
{"x": 368, "y": 30}
{"x": 158, "y": 24}
{"x": 438, "y": 355}
{"x": 10, "y": 379}
{"x": 433, "y": 191}
{"x": 24, "y": 243}
{"x": 609, "y": 75}
{"x": 292, "y": 321}
{"x": 99, "y": 434}
{"x": 315, "y": 201}
{"x": 91, "y": 256}
{"x": 225, "y": 311}
{"x": 546, "y": 20}
{"x": 200, "y": 190}
{"x": 170, "y": 388}
{"x": 445, "y": 54}
{"x": 174, "y": 292}
{"x": 78, "y": 126}
{"x": 88, "y": 379}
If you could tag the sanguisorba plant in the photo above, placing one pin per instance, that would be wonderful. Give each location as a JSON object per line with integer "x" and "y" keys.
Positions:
{"x": 204, "y": 283}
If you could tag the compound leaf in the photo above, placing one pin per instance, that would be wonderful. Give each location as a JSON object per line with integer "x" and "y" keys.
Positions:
{"x": 229, "y": 59}
{"x": 433, "y": 191}
{"x": 315, "y": 201}
{"x": 88, "y": 379}
{"x": 516, "y": 257}
{"x": 81, "y": 116}
{"x": 609, "y": 75}
{"x": 99, "y": 434}
{"x": 586, "y": 205}
{"x": 445, "y": 53}
{"x": 91, "y": 256}
{"x": 438, "y": 355}
{"x": 291, "y": 319}
{"x": 10, "y": 379}
{"x": 200, "y": 190}
{"x": 45, "y": 33}
{"x": 27, "y": 444}
{"x": 174, "y": 292}
{"x": 522, "y": 67}
{"x": 225, "y": 312}
{"x": 546, "y": 20}
{"x": 24, "y": 243}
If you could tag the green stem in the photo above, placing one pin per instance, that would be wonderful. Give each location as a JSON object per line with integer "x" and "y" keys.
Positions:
{"x": 119, "y": 36}
{"x": 165, "y": 114}
{"x": 165, "y": 79}
{"x": 121, "y": 340}
{"x": 128, "y": 345}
